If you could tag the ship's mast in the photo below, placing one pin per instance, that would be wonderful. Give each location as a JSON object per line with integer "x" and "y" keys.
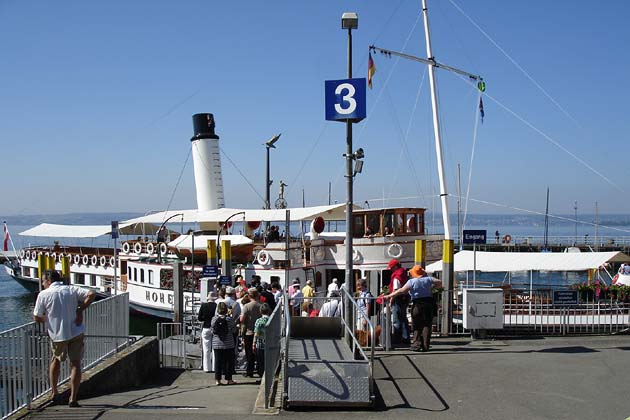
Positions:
{"x": 436, "y": 125}
{"x": 432, "y": 63}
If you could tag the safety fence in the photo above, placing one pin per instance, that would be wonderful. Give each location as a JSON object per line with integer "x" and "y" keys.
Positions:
{"x": 535, "y": 313}
{"x": 25, "y": 352}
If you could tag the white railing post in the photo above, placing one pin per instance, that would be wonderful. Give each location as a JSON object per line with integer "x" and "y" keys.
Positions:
{"x": 26, "y": 368}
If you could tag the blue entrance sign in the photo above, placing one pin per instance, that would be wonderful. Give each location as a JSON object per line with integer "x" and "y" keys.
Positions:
{"x": 225, "y": 280}
{"x": 210, "y": 271}
{"x": 566, "y": 297}
{"x": 474, "y": 237}
{"x": 345, "y": 99}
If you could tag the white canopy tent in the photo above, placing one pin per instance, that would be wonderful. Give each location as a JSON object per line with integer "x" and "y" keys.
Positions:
{"x": 530, "y": 261}
{"x": 86, "y": 231}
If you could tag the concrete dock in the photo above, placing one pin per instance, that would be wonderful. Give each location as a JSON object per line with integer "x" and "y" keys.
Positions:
{"x": 539, "y": 378}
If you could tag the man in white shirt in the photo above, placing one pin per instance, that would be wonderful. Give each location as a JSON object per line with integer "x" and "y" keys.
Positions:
{"x": 61, "y": 308}
{"x": 332, "y": 307}
{"x": 333, "y": 287}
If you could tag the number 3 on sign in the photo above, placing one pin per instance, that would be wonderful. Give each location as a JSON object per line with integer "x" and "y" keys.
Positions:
{"x": 348, "y": 98}
{"x": 345, "y": 100}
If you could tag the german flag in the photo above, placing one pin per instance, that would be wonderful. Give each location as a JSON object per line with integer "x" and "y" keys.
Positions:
{"x": 371, "y": 70}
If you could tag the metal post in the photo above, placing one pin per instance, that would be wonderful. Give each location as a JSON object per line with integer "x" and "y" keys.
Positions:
{"x": 420, "y": 252}
{"x": 436, "y": 126}
{"x": 287, "y": 244}
{"x": 448, "y": 282}
{"x": 226, "y": 257}
{"x": 178, "y": 291}
{"x": 115, "y": 266}
{"x": 474, "y": 264}
{"x": 349, "y": 314}
{"x": 267, "y": 190}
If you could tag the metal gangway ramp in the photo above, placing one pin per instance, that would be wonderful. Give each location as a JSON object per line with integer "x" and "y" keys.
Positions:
{"x": 321, "y": 369}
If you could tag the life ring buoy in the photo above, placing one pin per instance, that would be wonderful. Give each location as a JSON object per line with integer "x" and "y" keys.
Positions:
{"x": 507, "y": 239}
{"x": 126, "y": 248}
{"x": 112, "y": 261}
{"x": 395, "y": 250}
{"x": 163, "y": 249}
{"x": 137, "y": 248}
{"x": 150, "y": 248}
{"x": 28, "y": 255}
{"x": 54, "y": 256}
{"x": 356, "y": 256}
{"x": 22, "y": 253}
{"x": 103, "y": 260}
{"x": 94, "y": 260}
{"x": 60, "y": 257}
{"x": 263, "y": 258}
{"x": 86, "y": 260}
{"x": 77, "y": 259}
{"x": 614, "y": 280}
{"x": 47, "y": 254}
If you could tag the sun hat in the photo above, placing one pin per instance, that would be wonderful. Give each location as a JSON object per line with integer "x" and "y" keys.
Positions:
{"x": 392, "y": 263}
{"x": 229, "y": 290}
{"x": 417, "y": 271}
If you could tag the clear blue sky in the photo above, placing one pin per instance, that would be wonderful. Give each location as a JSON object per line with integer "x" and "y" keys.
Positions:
{"x": 96, "y": 100}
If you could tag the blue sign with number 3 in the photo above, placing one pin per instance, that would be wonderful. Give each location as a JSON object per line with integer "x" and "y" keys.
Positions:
{"x": 345, "y": 99}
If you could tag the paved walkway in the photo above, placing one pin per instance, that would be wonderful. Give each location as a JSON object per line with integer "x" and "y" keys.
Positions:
{"x": 553, "y": 378}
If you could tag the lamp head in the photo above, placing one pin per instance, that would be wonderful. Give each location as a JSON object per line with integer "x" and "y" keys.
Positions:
{"x": 271, "y": 142}
{"x": 349, "y": 20}
{"x": 358, "y": 167}
{"x": 359, "y": 154}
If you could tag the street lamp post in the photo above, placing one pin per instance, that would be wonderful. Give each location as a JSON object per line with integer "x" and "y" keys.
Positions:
{"x": 269, "y": 145}
{"x": 349, "y": 21}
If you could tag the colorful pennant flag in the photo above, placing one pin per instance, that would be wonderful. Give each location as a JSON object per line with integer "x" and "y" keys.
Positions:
{"x": 6, "y": 237}
{"x": 481, "y": 109}
{"x": 371, "y": 70}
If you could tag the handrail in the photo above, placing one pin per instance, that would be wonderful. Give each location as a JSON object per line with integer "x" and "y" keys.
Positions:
{"x": 372, "y": 335}
{"x": 272, "y": 351}
{"x": 287, "y": 329}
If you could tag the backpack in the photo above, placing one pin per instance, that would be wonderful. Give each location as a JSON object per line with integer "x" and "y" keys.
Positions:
{"x": 220, "y": 327}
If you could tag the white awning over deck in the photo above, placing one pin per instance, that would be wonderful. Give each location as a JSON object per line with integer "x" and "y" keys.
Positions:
{"x": 50, "y": 230}
{"x": 332, "y": 212}
{"x": 531, "y": 261}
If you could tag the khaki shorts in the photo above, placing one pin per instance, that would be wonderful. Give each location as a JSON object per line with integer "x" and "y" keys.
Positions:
{"x": 72, "y": 349}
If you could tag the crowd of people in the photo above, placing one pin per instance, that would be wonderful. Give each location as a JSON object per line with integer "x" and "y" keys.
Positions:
{"x": 234, "y": 323}
{"x": 234, "y": 319}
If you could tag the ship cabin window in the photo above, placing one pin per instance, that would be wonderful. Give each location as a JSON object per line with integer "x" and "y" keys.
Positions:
{"x": 150, "y": 276}
{"x": 129, "y": 277}
{"x": 135, "y": 274}
{"x": 93, "y": 280}
{"x": 142, "y": 275}
{"x": 359, "y": 226}
{"x": 387, "y": 222}
{"x": 373, "y": 222}
{"x": 79, "y": 278}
